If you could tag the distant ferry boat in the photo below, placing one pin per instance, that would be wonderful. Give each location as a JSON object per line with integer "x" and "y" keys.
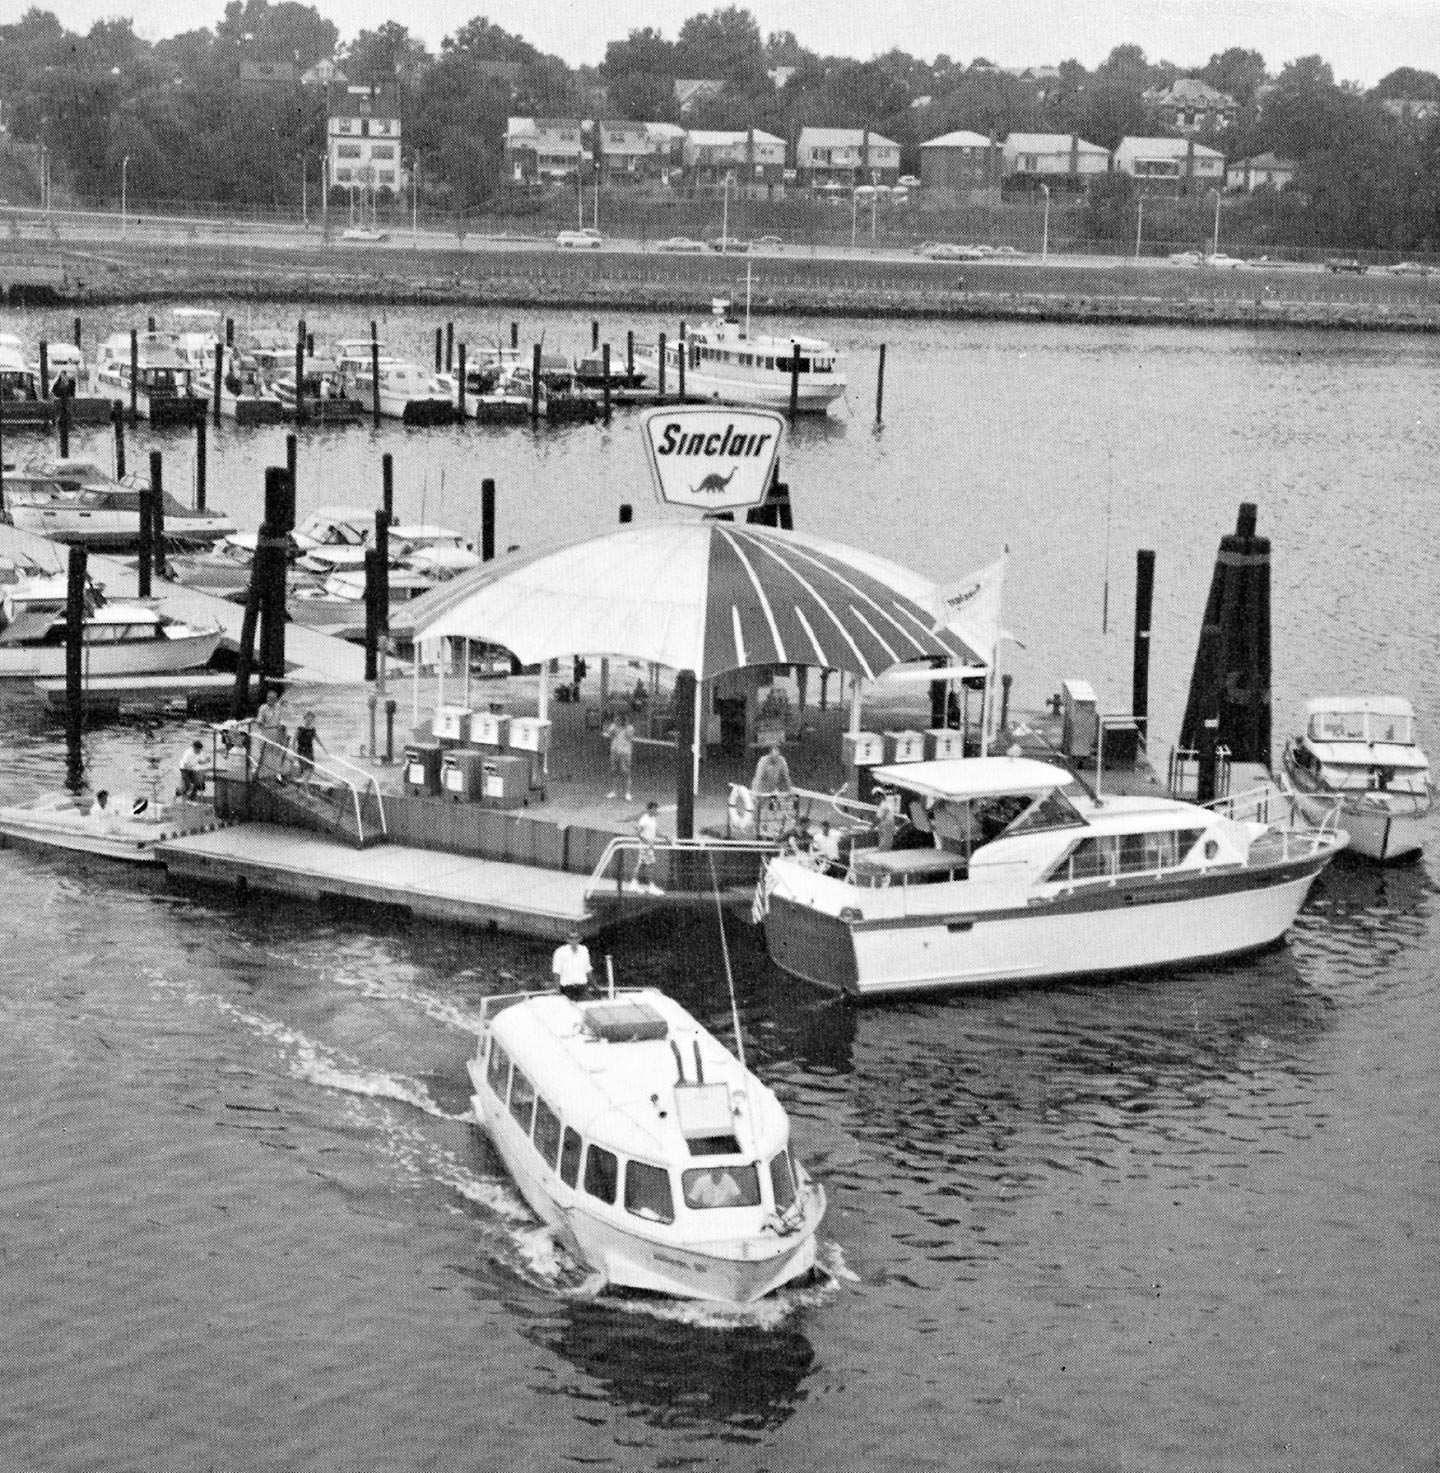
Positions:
{"x": 725, "y": 363}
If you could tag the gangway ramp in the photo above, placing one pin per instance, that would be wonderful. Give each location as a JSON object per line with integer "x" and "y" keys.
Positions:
{"x": 311, "y": 657}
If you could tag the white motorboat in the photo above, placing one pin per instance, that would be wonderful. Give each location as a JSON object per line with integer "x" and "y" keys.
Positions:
{"x": 726, "y": 363}
{"x": 1361, "y": 753}
{"x": 660, "y": 1161}
{"x": 128, "y": 829}
{"x": 118, "y": 639}
{"x": 20, "y": 386}
{"x": 326, "y": 401}
{"x": 999, "y": 875}
{"x": 165, "y": 384}
{"x": 78, "y": 501}
{"x": 408, "y": 392}
{"x": 66, "y": 366}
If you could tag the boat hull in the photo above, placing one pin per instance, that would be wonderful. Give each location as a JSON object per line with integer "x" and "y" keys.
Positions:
{"x": 118, "y": 530}
{"x": 1124, "y": 927}
{"x": 58, "y": 823}
{"x": 813, "y": 396}
{"x": 140, "y": 657}
{"x": 1384, "y": 827}
{"x": 727, "y": 1271}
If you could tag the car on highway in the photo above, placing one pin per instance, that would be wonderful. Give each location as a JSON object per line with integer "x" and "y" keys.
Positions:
{"x": 727, "y": 243}
{"x": 579, "y": 240}
{"x": 1221, "y": 262}
{"x": 1412, "y": 268}
{"x": 1345, "y": 263}
{"x": 769, "y": 241}
{"x": 941, "y": 250}
{"x": 363, "y": 235}
{"x": 1185, "y": 258}
{"x": 681, "y": 245}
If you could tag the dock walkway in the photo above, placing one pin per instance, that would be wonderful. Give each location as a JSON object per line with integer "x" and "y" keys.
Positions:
{"x": 313, "y": 657}
{"x": 519, "y": 899}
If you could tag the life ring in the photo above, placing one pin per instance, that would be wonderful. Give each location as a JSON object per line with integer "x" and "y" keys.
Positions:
{"x": 742, "y": 808}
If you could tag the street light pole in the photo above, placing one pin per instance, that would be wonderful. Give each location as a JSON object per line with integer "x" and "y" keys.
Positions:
{"x": 1215, "y": 241}
{"x": 124, "y": 166}
{"x": 304, "y": 194}
{"x": 1045, "y": 233}
{"x": 415, "y": 202}
{"x": 1139, "y": 225}
{"x": 725, "y": 217}
{"x": 854, "y": 208}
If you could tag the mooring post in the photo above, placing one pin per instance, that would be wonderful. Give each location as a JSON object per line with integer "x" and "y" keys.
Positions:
{"x": 219, "y": 377}
{"x": 245, "y": 653}
{"x": 605, "y": 371}
{"x": 794, "y": 380}
{"x": 279, "y": 519}
{"x": 535, "y": 384}
{"x": 387, "y": 484}
{"x": 594, "y": 333}
{"x": 77, "y": 332}
{"x": 683, "y": 705}
{"x": 389, "y": 732}
{"x": 681, "y": 355}
{"x": 63, "y": 419}
{"x": 292, "y": 466}
{"x": 629, "y": 351}
{"x": 200, "y": 469}
{"x": 375, "y": 374}
{"x": 372, "y": 622}
{"x": 439, "y": 349}
{"x": 460, "y": 383}
{"x": 449, "y": 346}
{"x": 300, "y": 373}
{"x": 149, "y": 324}
{"x": 627, "y": 513}
{"x": 1140, "y": 677}
{"x": 44, "y": 369}
{"x": 157, "y": 511}
{"x": 487, "y": 519}
{"x": 74, "y": 643}
{"x": 147, "y": 543}
{"x": 134, "y": 375}
{"x": 660, "y": 358}
{"x": 382, "y": 572}
{"x": 117, "y": 420}
{"x": 880, "y": 388}
{"x": 229, "y": 332}
{"x": 515, "y": 335}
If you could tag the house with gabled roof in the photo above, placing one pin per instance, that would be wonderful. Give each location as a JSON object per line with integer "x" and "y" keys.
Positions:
{"x": 1189, "y": 105}
{"x": 959, "y": 162}
{"x": 845, "y": 157}
{"x": 1265, "y": 169}
{"x": 1063, "y": 160}
{"x": 543, "y": 149}
{"x": 753, "y": 161}
{"x": 1170, "y": 165}
{"x": 691, "y": 91}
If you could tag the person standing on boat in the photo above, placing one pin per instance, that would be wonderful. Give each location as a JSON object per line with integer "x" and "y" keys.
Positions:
{"x": 622, "y": 754}
{"x": 571, "y": 965}
{"x": 100, "y": 810}
{"x": 192, "y": 770}
{"x": 887, "y": 812}
{"x": 772, "y": 773}
{"x": 647, "y": 826}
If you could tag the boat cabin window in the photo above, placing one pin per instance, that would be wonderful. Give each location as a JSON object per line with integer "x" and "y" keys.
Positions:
{"x": 570, "y": 1158}
{"x": 602, "y": 1173}
{"x": 522, "y": 1100}
{"x": 782, "y": 1182}
{"x": 721, "y": 1186}
{"x": 547, "y": 1133}
{"x": 497, "y": 1069}
{"x": 1105, "y": 855}
{"x": 1053, "y": 811}
{"x": 647, "y": 1192}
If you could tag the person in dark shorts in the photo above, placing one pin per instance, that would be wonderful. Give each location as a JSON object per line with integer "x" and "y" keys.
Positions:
{"x": 306, "y": 740}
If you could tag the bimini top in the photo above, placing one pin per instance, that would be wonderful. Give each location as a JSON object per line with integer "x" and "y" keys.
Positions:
{"x": 1359, "y": 705}
{"x": 963, "y": 778}
{"x": 1367, "y": 719}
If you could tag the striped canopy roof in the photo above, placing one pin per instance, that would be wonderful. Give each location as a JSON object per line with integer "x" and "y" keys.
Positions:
{"x": 707, "y": 596}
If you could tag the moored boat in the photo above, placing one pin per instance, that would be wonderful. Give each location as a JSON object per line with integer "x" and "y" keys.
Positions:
{"x": 726, "y": 363}
{"x": 165, "y": 383}
{"x": 998, "y": 875}
{"x": 1361, "y": 752}
{"x": 117, "y": 639}
{"x": 129, "y": 828}
{"x": 661, "y": 1162}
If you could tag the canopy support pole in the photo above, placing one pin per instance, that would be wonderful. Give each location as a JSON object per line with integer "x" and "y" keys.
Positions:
{"x": 466, "y": 647}
{"x": 698, "y": 733}
{"x": 855, "y": 704}
{"x": 415, "y": 684}
{"x": 604, "y": 686}
{"x": 444, "y": 659}
{"x": 544, "y": 706}
{"x": 685, "y": 703}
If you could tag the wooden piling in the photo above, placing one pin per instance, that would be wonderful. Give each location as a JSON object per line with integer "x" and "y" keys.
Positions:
{"x": 200, "y": 466}
{"x": 660, "y": 384}
{"x": 449, "y": 347}
{"x": 292, "y": 466}
{"x": 74, "y": 643}
{"x": 147, "y": 544}
{"x": 382, "y": 549}
{"x": 300, "y": 373}
{"x": 460, "y": 383}
{"x": 439, "y": 349}
{"x": 219, "y": 378}
{"x": 794, "y": 380}
{"x": 44, "y": 369}
{"x": 372, "y": 610}
{"x": 134, "y": 375}
{"x": 1140, "y": 677}
{"x": 627, "y": 513}
{"x": 514, "y": 334}
{"x": 605, "y": 370}
{"x": 245, "y": 651}
{"x": 535, "y": 385}
{"x": 77, "y": 332}
{"x": 680, "y": 357}
{"x": 117, "y": 420}
{"x": 880, "y": 388}
{"x": 157, "y": 511}
{"x": 387, "y": 484}
{"x": 272, "y": 553}
{"x": 63, "y": 420}
{"x": 229, "y": 332}
{"x": 375, "y": 375}
{"x": 683, "y": 705}
{"x": 149, "y": 324}
{"x": 630, "y": 351}
{"x": 487, "y": 519}
{"x": 594, "y": 333}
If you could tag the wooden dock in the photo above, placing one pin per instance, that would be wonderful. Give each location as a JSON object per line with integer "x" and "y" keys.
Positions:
{"x": 518, "y": 899}
{"x": 311, "y": 656}
{"x": 193, "y": 692}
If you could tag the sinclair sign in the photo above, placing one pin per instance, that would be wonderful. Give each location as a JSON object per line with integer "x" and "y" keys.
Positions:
{"x": 713, "y": 459}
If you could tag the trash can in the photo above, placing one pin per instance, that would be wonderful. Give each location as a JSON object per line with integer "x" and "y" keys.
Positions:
{"x": 422, "y": 767}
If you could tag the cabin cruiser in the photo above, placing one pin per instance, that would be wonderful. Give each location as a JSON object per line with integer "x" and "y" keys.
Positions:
{"x": 590, "y": 373}
{"x": 658, "y": 1158}
{"x": 77, "y": 501}
{"x": 118, "y": 639}
{"x": 1361, "y": 753}
{"x": 65, "y": 364}
{"x": 997, "y": 874}
{"x": 407, "y": 392}
{"x": 23, "y": 402}
{"x": 326, "y": 401}
{"x": 726, "y": 363}
{"x": 165, "y": 386}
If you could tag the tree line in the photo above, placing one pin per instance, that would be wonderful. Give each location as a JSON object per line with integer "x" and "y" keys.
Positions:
{"x": 193, "y": 129}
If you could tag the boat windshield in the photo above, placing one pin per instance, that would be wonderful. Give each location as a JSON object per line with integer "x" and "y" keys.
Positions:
{"x": 963, "y": 825}
{"x": 1361, "y": 726}
{"x": 721, "y": 1186}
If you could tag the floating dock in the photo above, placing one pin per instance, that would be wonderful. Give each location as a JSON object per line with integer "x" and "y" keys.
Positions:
{"x": 194, "y": 693}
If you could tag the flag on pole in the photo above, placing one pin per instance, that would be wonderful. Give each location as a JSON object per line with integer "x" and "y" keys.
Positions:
{"x": 971, "y": 609}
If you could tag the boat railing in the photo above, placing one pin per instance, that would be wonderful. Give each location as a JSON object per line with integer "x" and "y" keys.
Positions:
{"x": 1288, "y": 827}
{"x": 324, "y": 782}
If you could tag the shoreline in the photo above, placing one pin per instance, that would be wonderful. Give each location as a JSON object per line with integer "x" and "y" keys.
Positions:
{"x": 1063, "y": 291}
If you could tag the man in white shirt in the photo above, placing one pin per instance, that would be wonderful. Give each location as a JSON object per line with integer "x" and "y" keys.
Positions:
{"x": 647, "y": 828}
{"x": 571, "y": 965}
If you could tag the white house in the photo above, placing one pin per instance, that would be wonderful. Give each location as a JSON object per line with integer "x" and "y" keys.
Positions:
{"x": 1174, "y": 164}
{"x": 845, "y": 156}
{"x": 1054, "y": 159}
{"x": 1252, "y": 174}
{"x": 363, "y": 140}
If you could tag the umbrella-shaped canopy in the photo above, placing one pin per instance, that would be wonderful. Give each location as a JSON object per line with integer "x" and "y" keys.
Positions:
{"x": 707, "y": 596}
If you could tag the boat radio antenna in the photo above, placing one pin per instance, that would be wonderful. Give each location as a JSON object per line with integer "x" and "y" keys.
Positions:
{"x": 729, "y": 974}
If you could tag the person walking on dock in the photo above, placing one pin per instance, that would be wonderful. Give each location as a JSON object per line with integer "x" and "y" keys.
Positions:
{"x": 192, "y": 770}
{"x": 570, "y": 965}
{"x": 647, "y": 826}
{"x": 622, "y": 754}
{"x": 306, "y": 740}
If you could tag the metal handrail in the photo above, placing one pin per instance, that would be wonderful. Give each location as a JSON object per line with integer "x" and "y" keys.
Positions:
{"x": 367, "y": 779}
{"x": 623, "y": 843}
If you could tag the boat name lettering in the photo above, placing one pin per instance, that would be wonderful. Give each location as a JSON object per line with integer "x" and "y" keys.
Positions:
{"x": 675, "y": 441}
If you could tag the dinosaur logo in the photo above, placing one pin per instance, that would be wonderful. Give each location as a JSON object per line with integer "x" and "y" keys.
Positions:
{"x": 713, "y": 484}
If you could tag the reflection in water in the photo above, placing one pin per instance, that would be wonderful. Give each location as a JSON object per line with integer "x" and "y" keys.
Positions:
{"x": 735, "y": 1382}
